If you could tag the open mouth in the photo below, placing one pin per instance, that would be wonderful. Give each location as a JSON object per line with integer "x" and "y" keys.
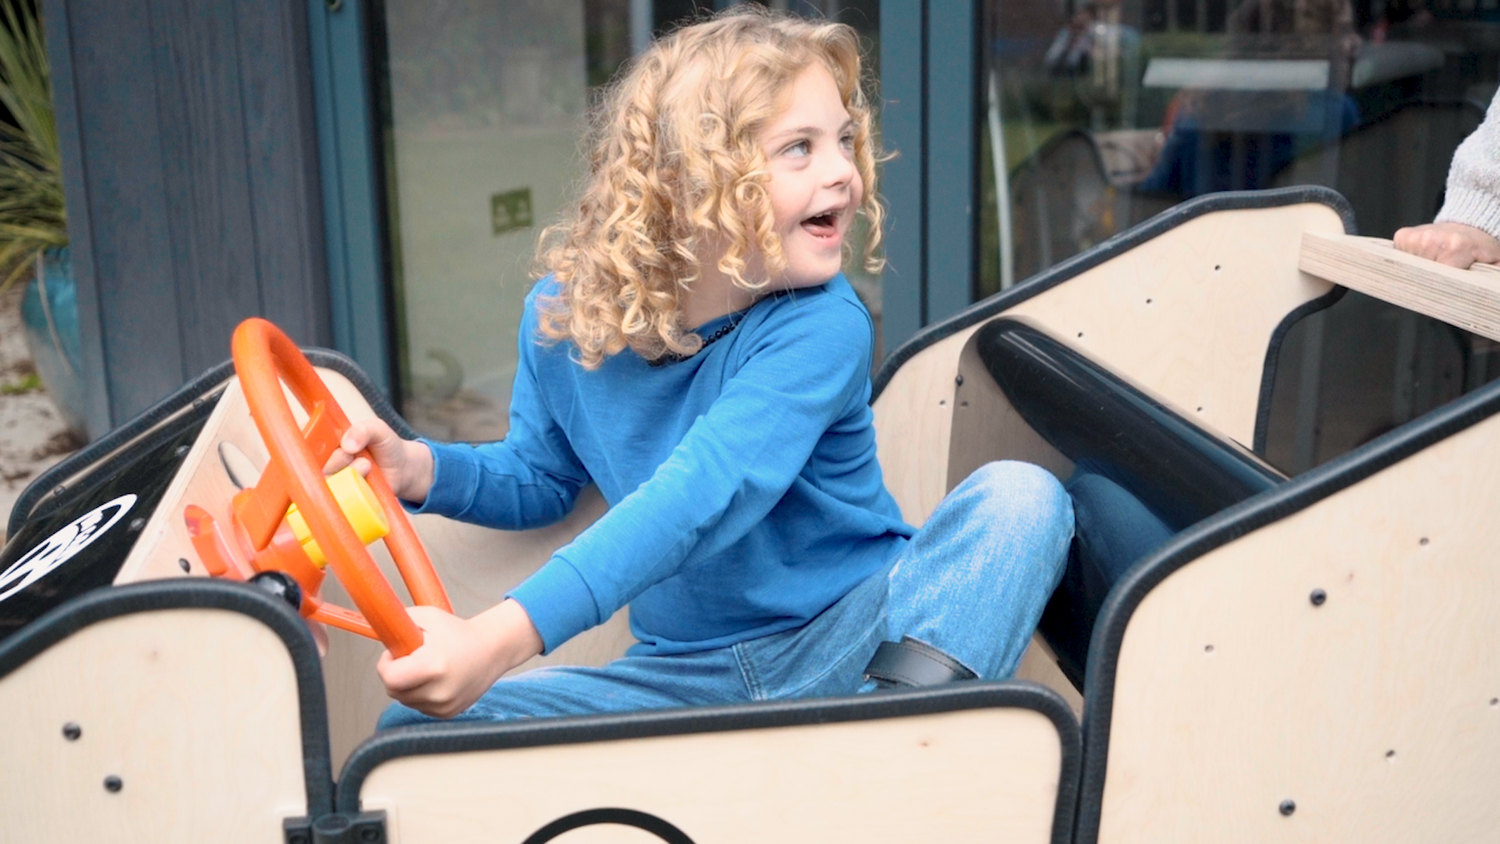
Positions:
{"x": 824, "y": 225}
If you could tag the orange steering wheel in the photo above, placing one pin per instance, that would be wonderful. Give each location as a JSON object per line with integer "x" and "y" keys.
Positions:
{"x": 264, "y": 357}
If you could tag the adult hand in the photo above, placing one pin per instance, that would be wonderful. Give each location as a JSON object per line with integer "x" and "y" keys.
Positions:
{"x": 1454, "y": 244}
{"x": 407, "y": 465}
{"x": 459, "y": 659}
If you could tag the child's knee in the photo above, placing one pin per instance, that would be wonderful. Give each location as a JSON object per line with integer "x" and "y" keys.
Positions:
{"x": 1028, "y": 499}
{"x": 1016, "y": 484}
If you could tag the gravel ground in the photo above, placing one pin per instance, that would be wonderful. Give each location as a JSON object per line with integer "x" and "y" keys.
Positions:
{"x": 33, "y": 435}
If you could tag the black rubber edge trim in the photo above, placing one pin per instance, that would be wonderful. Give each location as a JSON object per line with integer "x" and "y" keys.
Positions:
{"x": 201, "y": 387}
{"x": 465, "y": 737}
{"x": 202, "y": 593}
{"x": 1221, "y": 529}
{"x": 1114, "y": 246}
{"x": 1273, "y": 359}
{"x": 112, "y": 463}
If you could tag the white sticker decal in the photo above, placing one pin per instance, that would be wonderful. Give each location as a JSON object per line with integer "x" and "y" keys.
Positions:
{"x": 60, "y": 547}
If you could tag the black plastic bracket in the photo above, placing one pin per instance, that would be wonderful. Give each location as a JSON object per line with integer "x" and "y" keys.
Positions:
{"x": 337, "y": 828}
{"x": 911, "y": 662}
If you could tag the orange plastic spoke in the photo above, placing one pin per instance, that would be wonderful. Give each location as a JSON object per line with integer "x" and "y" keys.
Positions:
{"x": 213, "y": 551}
{"x": 264, "y": 359}
{"x": 336, "y": 616}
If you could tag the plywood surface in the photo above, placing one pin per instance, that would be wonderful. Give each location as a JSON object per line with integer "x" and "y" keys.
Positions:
{"x": 477, "y": 565}
{"x": 1469, "y": 299}
{"x": 1187, "y": 316}
{"x": 195, "y": 711}
{"x": 977, "y": 775}
{"x": 1190, "y": 314}
{"x": 1377, "y": 712}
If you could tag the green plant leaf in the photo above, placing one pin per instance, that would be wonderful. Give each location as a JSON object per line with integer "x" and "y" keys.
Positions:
{"x": 31, "y": 383}
{"x": 33, "y": 216}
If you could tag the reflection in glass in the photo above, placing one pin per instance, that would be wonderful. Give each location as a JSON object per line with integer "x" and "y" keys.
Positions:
{"x": 482, "y": 106}
{"x": 1103, "y": 113}
{"x": 484, "y": 102}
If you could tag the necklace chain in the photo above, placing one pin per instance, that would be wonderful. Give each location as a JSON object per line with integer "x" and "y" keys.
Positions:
{"x": 722, "y": 331}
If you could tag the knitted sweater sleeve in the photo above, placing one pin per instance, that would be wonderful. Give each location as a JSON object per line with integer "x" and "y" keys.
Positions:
{"x": 1473, "y": 196}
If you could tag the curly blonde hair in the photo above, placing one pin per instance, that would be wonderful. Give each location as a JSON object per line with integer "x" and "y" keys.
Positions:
{"x": 675, "y": 170}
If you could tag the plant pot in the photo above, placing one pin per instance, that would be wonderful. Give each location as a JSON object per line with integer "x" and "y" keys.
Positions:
{"x": 49, "y": 312}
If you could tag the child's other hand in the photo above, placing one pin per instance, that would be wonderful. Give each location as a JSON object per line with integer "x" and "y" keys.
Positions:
{"x": 407, "y": 465}
{"x": 1454, "y": 244}
{"x": 459, "y": 659}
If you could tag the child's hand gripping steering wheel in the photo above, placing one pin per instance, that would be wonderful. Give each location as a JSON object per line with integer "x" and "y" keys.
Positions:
{"x": 264, "y": 357}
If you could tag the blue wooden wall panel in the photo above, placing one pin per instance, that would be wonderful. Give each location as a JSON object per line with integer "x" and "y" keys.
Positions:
{"x": 192, "y": 185}
{"x": 202, "y": 131}
{"x": 126, "y": 201}
{"x": 80, "y": 228}
{"x": 281, "y": 145}
{"x": 902, "y": 45}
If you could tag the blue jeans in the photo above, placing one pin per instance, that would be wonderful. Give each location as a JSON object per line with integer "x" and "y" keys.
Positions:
{"x": 972, "y": 582}
{"x": 1113, "y": 530}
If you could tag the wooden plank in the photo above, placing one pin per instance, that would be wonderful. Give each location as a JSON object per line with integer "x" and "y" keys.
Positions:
{"x": 281, "y": 147}
{"x": 477, "y": 565}
{"x": 126, "y": 195}
{"x": 194, "y": 710}
{"x": 972, "y": 775}
{"x": 65, "y": 99}
{"x": 1188, "y": 315}
{"x": 201, "y": 123}
{"x": 190, "y": 165}
{"x": 1469, "y": 299}
{"x": 1377, "y": 711}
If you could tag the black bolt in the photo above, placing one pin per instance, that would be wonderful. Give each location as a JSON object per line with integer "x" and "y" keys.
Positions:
{"x": 113, "y": 784}
{"x": 959, "y": 380}
{"x": 297, "y": 838}
{"x": 183, "y": 564}
{"x": 280, "y": 584}
{"x": 1287, "y": 807}
{"x": 59, "y": 489}
{"x": 182, "y": 450}
{"x": 1317, "y": 597}
{"x": 369, "y": 835}
{"x": 136, "y": 524}
{"x": 72, "y": 731}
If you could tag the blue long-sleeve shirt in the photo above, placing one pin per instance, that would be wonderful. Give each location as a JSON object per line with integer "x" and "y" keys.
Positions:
{"x": 744, "y": 493}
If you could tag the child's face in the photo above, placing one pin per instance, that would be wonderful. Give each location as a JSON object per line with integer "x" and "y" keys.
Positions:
{"x": 815, "y": 188}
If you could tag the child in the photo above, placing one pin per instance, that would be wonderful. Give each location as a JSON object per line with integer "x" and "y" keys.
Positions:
{"x": 697, "y": 354}
{"x": 1466, "y": 228}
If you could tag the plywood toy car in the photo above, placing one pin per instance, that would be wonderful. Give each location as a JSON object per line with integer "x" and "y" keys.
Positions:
{"x": 1309, "y": 658}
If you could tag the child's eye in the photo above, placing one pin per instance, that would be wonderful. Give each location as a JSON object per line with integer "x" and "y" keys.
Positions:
{"x": 798, "y": 150}
{"x": 847, "y": 141}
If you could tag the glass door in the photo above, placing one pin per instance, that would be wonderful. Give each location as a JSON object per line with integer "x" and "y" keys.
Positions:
{"x": 1102, "y": 113}
{"x": 482, "y": 105}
